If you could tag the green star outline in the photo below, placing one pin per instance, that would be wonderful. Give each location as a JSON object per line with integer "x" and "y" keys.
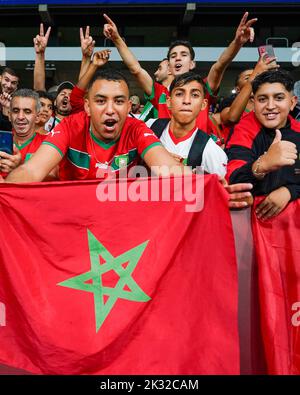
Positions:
{"x": 78, "y": 282}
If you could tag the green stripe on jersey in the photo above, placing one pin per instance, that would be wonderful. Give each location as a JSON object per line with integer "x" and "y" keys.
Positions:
{"x": 102, "y": 143}
{"x": 54, "y": 146}
{"x": 27, "y": 157}
{"x": 21, "y": 146}
{"x": 150, "y": 146}
{"x": 78, "y": 158}
{"x": 162, "y": 99}
{"x": 151, "y": 95}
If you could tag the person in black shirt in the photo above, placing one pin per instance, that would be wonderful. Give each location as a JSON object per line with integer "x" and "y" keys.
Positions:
{"x": 265, "y": 145}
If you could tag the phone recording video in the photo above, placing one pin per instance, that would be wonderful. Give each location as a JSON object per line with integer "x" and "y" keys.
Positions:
{"x": 267, "y": 49}
{"x": 6, "y": 142}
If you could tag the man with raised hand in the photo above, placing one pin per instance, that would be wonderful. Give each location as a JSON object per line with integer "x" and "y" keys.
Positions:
{"x": 101, "y": 137}
{"x": 40, "y": 42}
{"x": 9, "y": 82}
{"x": 163, "y": 74}
{"x": 62, "y": 101}
{"x": 181, "y": 60}
{"x": 104, "y": 137}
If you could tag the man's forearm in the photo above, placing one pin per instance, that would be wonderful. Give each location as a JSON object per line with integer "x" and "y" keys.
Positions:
{"x": 87, "y": 77}
{"x": 294, "y": 191}
{"x": 85, "y": 62}
{"x": 22, "y": 174}
{"x": 39, "y": 72}
{"x": 142, "y": 76}
{"x": 217, "y": 70}
{"x": 233, "y": 114}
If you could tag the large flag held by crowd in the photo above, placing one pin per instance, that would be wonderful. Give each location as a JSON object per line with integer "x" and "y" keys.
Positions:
{"x": 278, "y": 257}
{"x": 129, "y": 287}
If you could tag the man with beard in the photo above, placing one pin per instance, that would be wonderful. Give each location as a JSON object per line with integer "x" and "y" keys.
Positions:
{"x": 9, "y": 83}
{"x": 103, "y": 136}
{"x": 62, "y": 105}
{"x": 163, "y": 74}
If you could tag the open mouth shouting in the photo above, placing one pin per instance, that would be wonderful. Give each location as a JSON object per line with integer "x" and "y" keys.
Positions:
{"x": 110, "y": 125}
{"x": 178, "y": 67}
{"x": 65, "y": 101}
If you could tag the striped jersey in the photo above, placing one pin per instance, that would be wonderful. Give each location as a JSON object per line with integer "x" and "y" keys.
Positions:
{"x": 87, "y": 157}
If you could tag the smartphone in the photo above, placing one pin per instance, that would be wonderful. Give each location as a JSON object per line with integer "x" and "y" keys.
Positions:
{"x": 268, "y": 49}
{"x": 6, "y": 141}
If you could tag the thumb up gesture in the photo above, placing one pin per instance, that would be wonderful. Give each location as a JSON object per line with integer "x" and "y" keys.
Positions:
{"x": 280, "y": 153}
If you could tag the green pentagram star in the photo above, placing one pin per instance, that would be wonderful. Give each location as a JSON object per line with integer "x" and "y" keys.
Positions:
{"x": 132, "y": 292}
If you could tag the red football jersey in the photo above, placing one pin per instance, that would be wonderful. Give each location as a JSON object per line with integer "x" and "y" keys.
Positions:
{"x": 86, "y": 157}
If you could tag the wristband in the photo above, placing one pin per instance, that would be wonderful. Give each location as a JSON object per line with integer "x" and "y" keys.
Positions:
{"x": 256, "y": 171}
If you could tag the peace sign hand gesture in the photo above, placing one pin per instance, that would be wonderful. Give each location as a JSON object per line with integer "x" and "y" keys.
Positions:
{"x": 41, "y": 40}
{"x": 245, "y": 31}
{"x": 87, "y": 43}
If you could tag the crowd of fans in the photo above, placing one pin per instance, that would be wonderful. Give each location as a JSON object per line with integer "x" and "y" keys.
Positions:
{"x": 94, "y": 127}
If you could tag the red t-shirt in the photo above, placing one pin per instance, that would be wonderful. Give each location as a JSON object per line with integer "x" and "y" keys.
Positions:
{"x": 28, "y": 148}
{"x": 77, "y": 100}
{"x": 87, "y": 157}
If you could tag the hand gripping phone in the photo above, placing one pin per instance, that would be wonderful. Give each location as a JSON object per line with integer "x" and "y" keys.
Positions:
{"x": 267, "y": 49}
{"x": 6, "y": 142}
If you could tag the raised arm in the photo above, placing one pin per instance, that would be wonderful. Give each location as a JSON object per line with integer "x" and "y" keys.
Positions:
{"x": 100, "y": 58}
{"x": 40, "y": 44}
{"x": 143, "y": 78}
{"x": 244, "y": 33}
{"x": 87, "y": 48}
{"x": 231, "y": 115}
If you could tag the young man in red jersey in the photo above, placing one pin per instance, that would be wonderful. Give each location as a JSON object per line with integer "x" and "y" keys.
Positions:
{"x": 181, "y": 60}
{"x": 265, "y": 145}
{"x": 103, "y": 136}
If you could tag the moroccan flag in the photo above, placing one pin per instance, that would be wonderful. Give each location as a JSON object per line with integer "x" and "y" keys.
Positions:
{"x": 277, "y": 243}
{"x": 117, "y": 287}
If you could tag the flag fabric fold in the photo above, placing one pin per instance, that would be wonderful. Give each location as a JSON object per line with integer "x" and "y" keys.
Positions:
{"x": 116, "y": 287}
{"x": 278, "y": 257}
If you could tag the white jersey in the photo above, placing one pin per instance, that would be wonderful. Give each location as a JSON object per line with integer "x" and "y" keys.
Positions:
{"x": 214, "y": 159}
{"x": 51, "y": 123}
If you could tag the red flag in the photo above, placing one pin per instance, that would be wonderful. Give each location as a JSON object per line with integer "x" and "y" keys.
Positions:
{"x": 117, "y": 287}
{"x": 278, "y": 255}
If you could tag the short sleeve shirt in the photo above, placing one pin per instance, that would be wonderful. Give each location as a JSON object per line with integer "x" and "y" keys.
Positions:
{"x": 86, "y": 157}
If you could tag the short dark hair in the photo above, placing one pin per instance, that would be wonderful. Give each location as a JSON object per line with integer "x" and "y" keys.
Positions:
{"x": 10, "y": 71}
{"x": 24, "y": 92}
{"x": 272, "y": 76}
{"x": 45, "y": 95}
{"x": 108, "y": 75}
{"x": 184, "y": 43}
{"x": 184, "y": 79}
